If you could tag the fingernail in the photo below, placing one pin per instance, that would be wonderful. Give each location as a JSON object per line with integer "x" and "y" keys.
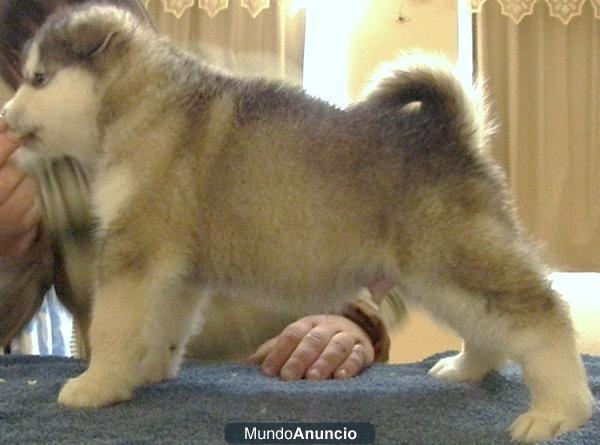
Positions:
{"x": 288, "y": 374}
{"x": 342, "y": 374}
{"x": 268, "y": 371}
{"x": 313, "y": 374}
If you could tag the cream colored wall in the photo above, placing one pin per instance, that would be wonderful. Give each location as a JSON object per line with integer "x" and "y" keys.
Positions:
{"x": 378, "y": 37}
{"x": 430, "y": 25}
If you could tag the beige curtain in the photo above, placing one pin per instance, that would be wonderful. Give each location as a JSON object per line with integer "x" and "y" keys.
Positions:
{"x": 213, "y": 7}
{"x": 270, "y": 44}
{"x": 563, "y": 10}
{"x": 544, "y": 79}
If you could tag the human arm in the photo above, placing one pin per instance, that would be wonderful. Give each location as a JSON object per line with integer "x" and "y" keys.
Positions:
{"x": 25, "y": 260}
{"x": 20, "y": 212}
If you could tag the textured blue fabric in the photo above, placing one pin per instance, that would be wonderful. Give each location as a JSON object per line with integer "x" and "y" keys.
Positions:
{"x": 404, "y": 404}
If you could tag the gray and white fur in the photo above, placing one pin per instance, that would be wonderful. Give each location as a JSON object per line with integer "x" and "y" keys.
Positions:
{"x": 205, "y": 182}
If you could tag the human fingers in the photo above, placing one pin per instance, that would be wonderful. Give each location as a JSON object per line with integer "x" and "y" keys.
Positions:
{"x": 337, "y": 350}
{"x": 258, "y": 357}
{"x": 9, "y": 142}
{"x": 10, "y": 179}
{"x": 20, "y": 215}
{"x": 21, "y": 210}
{"x": 359, "y": 358}
{"x": 309, "y": 350}
{"x": 285, "y": 345}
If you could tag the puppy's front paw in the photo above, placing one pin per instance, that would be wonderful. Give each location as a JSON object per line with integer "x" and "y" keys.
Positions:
{"x": 88, "y": 391}
{"x": 457, "y": 369}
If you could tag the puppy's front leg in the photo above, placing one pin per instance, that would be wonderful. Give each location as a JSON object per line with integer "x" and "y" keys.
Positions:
{"x": 144, "y": 311}
{"x": 117, "y": 346}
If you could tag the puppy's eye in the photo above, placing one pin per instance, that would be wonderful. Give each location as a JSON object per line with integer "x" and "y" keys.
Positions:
{"x": 39, "y": 80}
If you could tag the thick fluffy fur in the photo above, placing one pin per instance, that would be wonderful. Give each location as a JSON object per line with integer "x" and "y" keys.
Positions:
{"x": 207, "y": 182}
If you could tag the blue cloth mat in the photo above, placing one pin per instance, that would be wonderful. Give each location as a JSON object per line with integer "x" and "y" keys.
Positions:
{"x": 403, "y": 403}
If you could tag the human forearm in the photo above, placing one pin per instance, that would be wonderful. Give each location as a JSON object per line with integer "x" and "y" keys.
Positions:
{"x": 23, "y": 284}
{"x": 25, "y": 257}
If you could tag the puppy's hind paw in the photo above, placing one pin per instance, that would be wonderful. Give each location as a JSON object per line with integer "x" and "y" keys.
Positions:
{"x": 539, "y": 426}
{"x": 457, "y": 369}
{"x": 534, "y": 427}
{"x": 87, "y": 391}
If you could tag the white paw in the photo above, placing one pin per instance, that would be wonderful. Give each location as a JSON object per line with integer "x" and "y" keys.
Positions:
{"x": 543, "y": 424}
{"x": 88, "y": 391}
{"x": 457, "y": 369}
{"x": 536, "y": 426}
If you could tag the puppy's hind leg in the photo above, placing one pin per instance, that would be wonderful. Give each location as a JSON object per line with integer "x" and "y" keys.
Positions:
{"x": 553, "y": 371}
{"x": 513, "y": 310}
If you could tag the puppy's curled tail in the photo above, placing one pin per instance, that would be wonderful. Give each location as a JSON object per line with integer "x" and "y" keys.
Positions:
{"x": 457, "y": 107}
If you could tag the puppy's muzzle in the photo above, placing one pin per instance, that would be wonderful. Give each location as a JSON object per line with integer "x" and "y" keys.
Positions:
{"x": 14, "y": 119}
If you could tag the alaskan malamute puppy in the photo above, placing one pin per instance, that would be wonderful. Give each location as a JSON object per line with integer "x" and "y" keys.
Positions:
{"x": 205, "y": 182}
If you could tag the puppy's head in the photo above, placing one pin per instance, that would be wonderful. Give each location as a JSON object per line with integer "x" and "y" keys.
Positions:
{"x": 67, "y": 65}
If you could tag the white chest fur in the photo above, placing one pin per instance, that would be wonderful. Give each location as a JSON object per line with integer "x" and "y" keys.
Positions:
{"x": 113, "y": 188}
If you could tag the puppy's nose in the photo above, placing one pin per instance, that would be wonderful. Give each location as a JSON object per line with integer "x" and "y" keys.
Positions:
{"x": 6, "y": 111}
{"x": 8, "y": 114}
{"x": 12, "y": 117}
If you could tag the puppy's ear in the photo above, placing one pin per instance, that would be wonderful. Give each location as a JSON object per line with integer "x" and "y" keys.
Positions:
{"x": 88, "y": 43}
{"x": 95, "y": 30}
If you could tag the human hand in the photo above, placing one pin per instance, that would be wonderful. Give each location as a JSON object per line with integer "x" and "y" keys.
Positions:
{"x": 316, "y": 347}
{"x": 20, "y": 211}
